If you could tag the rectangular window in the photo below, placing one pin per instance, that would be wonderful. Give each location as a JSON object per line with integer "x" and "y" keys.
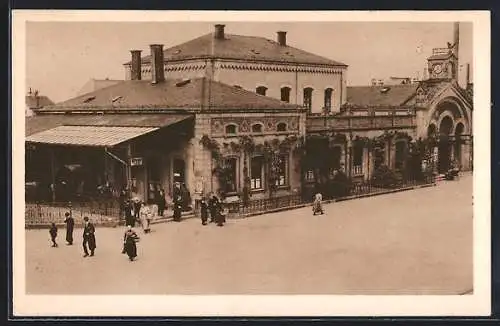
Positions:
{"x": 231, "y": 166}
{"x": 282, "y": 171}
{"x": 310, "y": 175}
{"x": 308, "y": 98}
{"x": 357, "y": 159}
{"x": 285, "y": 94}
{"x": 257, "y": 172}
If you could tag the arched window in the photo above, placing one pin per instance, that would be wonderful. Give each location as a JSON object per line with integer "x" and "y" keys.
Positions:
{"x": 257, "y": 127}
{"x": 308, "y": 98}
{"x": 328, "y": 99}
{"x": 231, "y": 129}
{"x": 281, "y": 126}
{"x": 285, "y": 94}
{"x": 261, "y": 90}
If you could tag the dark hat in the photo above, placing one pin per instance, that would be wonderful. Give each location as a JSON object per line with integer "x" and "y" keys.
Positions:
{"x": 86, "y": 218}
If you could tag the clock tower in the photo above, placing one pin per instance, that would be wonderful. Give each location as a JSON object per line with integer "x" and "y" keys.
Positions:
{"x": 443, "y": 63}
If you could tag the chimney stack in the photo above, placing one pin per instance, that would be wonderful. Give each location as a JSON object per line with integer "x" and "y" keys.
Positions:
{"x": 157, "y": 68}
{"x": 282, "y": 38}
{"x": 135, "y": 67}
{"x": 219, "y": 32}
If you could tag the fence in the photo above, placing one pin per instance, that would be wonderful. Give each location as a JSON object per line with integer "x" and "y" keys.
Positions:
{"x": 261, "y": 206}
{"x": 99, "y": 212}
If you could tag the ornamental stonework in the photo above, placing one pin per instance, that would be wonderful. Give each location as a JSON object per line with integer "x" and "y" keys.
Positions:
{"x": 244, "y": 124}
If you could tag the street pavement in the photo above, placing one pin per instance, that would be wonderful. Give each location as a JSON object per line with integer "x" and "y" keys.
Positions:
{"x": 413, "y": 242}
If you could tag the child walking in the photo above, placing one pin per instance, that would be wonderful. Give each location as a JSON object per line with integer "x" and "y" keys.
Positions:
{"x": 53, "y": 234}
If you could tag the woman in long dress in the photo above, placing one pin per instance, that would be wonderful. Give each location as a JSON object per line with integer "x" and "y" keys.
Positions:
{"x": 145, "y": 214}
{"x": 129, "y": 243}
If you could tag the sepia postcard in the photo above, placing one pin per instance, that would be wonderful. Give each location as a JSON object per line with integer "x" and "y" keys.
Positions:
{"x": 251, "y": 163}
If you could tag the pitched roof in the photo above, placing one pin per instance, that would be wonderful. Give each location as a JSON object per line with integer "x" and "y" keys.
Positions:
{"x": 241, "y": 47}
{"x": 376, "y": 96}
{"x": 42, "y": 122}
{"x": 194, "y": 93}
{"x": 32, "y": 102}
{"x": 95, "y": 84}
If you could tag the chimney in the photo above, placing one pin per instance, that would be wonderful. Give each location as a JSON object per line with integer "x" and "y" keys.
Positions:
{"x": 282, "y": 38}
{"x": 219, "y": 32}
{"x": 135, "y": 67}
{"x": 157, "y": 68}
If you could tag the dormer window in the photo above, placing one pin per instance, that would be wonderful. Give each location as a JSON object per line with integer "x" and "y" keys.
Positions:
{"x": 281, "y": 126}
{"x": 257, "y": 128}
{"x": 261, "y": 90}
{"x": 230, "y": 129}
{"x": 89, "y": 99}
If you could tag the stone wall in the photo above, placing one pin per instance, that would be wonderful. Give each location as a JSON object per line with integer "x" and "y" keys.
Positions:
{"x": 212, "y": 125}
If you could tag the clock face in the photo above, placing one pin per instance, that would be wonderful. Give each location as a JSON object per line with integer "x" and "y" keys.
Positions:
{"x": 437, "y": 69}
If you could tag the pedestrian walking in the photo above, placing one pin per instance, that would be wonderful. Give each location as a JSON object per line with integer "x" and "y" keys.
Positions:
{"x": 317, "y": 205}
{"x": 161, "y": 202}
{"x": 70, "y": 224}
{"x": 146, "y": 217}
{"x": 88, "y": 238}
{"x": 129, "y": 243}
{"x": 213, "y": 204}
{"x": 177, "y": 208}
{"x": 204, "y": 210}
{"x": 53, "y": 234}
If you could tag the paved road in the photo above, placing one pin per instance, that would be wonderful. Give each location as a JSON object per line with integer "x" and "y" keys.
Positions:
{"x": 414, "y": 242}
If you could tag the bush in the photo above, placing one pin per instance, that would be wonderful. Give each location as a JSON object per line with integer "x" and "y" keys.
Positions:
{"x": 384, "y": 177}
{"x": 340, "y": 185}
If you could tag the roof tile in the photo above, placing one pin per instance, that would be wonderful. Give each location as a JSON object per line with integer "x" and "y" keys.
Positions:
{"x": 241, "y": 47}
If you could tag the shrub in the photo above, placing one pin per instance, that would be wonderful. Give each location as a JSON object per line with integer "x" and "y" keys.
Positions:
{"x": 341, "y": 185}
{"x": 384, "y": 177}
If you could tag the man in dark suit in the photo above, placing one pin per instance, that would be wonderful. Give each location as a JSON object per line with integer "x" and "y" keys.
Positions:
{"x": 70, "y": 223}
{"x": 88, "y": 238}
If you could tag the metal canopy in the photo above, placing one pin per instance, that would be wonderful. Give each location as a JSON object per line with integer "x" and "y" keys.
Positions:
{"x": 95, "y": 136}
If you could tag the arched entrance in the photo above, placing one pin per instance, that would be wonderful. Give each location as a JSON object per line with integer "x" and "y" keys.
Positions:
{"x": 459, "y": 130}
{"x": 444, "y": 146}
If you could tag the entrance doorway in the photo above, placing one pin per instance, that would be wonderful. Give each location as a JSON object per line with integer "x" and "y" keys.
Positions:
{"x": 444, "y": 147}
{"x": 179, "y": 170}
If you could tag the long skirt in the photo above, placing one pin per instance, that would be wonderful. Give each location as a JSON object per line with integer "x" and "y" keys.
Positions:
{"x": 131, "y": 249}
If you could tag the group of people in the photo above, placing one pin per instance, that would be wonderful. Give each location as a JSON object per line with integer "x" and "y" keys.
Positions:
{"x": 89, "y": 243}
{"x": 212, "y": 206}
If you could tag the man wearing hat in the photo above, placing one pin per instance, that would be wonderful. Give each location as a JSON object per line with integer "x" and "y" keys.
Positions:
{"x": 88, "y": 238}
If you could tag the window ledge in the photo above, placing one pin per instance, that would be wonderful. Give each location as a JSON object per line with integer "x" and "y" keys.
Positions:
{"x": 285, "y": 187}
{"x": 255, "y": 191}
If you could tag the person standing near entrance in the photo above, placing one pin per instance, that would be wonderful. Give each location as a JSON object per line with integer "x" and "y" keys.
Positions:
{"x": 161, "y": 202}
{"x": 88, "y": 238}
{"x": 70, "y": 223}
{"x": 129, "y": 218}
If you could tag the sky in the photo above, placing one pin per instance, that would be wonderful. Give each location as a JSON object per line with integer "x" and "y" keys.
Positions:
{"x": 62, "y": 56}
